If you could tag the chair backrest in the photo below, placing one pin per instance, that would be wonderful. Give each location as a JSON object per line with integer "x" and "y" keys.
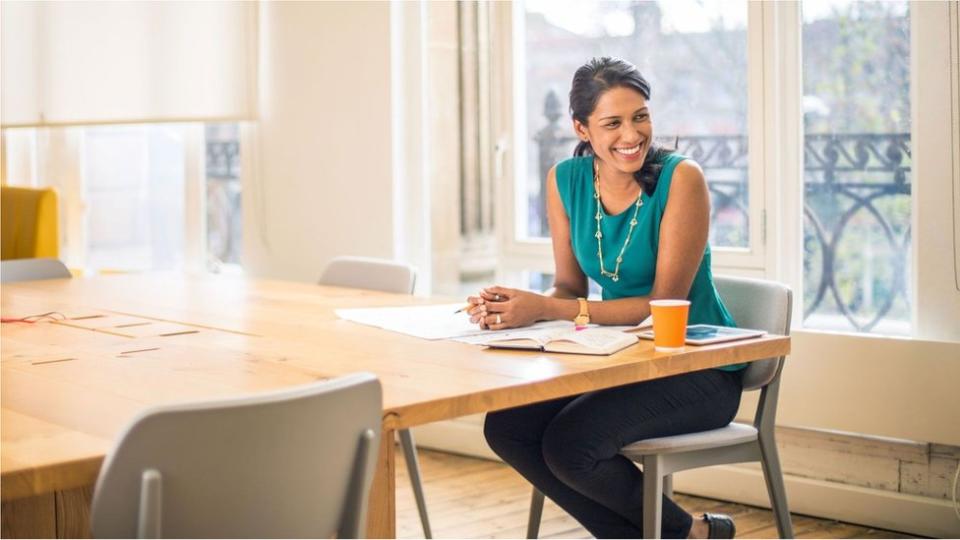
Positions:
{"x": 760, "y": 304}
{"x": 297, "y": 462}
{"x": 29, "y": 225}
{"x": 369, "y": 273}
{"x": 32, "y": 269}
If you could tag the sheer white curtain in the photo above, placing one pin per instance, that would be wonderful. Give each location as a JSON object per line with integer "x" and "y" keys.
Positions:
{"x": 69, "y": 63}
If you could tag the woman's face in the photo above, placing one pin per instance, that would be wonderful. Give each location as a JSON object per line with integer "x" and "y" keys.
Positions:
{"x": 619, "y": 129}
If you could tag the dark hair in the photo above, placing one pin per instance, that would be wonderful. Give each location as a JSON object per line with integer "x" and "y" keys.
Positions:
{"x": 590, "y": 82}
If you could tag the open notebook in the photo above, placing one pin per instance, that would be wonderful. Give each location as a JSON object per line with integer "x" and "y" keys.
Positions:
{"x": 593, "y": 340}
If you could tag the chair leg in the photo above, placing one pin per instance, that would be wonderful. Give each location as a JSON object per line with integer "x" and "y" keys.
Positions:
{"x": 149, "y": 519}
{"x": 773, "y": 475}
{"x": 536, "y": 512}
{"x": 413, "y": 467}
{"x": 652, "y": 496}
{"x": 668, "y": 485}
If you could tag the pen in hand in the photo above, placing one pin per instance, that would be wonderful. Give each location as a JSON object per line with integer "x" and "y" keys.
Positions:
{"x": 468, "y": 306}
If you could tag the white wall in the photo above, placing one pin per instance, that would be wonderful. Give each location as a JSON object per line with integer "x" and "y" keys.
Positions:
{"x": 321, "y": 182}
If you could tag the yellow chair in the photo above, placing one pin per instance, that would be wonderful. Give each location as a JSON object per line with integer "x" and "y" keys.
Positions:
{"x": 28, "y": 223}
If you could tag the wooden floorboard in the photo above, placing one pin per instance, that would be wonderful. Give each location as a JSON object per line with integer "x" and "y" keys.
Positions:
{"x": 474, "y": 498}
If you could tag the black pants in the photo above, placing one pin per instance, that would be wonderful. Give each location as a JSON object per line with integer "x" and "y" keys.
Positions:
{"x": 569, "y": 448}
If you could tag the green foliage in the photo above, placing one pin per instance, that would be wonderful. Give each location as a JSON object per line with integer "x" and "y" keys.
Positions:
{"x": 857, "y": 64}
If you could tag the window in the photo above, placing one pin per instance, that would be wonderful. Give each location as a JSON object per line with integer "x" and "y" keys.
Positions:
{"x": 857, "y": 162}
{"x": 132, "y": 197}
{"x": 819, "y": 142}
{"x": 133, "y": 185}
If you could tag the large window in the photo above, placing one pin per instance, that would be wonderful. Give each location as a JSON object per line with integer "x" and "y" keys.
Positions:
{"x": 857, "y": 163}
{"x": 137, "y": 197}
{"x": 823, "y": 143}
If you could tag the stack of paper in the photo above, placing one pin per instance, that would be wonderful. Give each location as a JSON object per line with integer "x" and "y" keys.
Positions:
{"x": 428, "y": 322}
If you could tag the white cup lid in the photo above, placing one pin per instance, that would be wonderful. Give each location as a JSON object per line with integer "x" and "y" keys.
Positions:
{"x": 669, "y": 303}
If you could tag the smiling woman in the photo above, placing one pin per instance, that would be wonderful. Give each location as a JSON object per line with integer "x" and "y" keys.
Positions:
{"x": 634, "y": 218}
{"x": 629, "y": 215}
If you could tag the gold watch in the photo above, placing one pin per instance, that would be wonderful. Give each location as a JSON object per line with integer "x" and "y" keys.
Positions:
{"x": 582, "y": 318}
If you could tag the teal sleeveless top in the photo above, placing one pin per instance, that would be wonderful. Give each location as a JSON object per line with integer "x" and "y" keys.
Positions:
{"x": 638, "y": 268}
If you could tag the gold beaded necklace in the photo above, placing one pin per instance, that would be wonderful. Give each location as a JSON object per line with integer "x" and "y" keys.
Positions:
{"x": 615, "y": 275}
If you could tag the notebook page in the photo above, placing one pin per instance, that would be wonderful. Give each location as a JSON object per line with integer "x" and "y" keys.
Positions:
{"x": 541, "y": 332}
{"x": 597, "y": 338}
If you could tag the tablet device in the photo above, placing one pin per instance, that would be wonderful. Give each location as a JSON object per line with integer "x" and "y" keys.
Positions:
{"x": 705, "y": 334}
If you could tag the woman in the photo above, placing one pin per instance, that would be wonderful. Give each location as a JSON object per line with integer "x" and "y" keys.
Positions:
{"x": 634, "y": 218}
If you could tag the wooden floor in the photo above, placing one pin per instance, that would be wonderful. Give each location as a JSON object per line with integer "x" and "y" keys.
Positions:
{"x": 474, "y": 498}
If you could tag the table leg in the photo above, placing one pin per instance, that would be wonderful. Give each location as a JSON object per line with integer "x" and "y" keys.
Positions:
{"x": 30, "y": 517}
{"x": 382, "y": 507}
{"x": 73, "y": 512}
{"x": 62, "y": 514}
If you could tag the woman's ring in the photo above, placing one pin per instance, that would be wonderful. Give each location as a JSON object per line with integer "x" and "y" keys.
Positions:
{"x": 498, "y": 318}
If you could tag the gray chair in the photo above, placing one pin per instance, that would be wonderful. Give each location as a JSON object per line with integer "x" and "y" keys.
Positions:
{"x": 292, "y": 463}
{"x": 370, "y": 273}
{"x": 394, "y": 277}
{"x": 754, "y": 303}
{"x": 13, "y": 270}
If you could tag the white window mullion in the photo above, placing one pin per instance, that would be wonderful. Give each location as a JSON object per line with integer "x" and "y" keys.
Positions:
{"x": 782, "y": 132}
{"x": 74, "y": 232}
{"x": 955, "y": 132}
{"x": 752, "y": 258}
{"x": 194, "y": 204}
{"x": 509, "y": 155}
{"x": 935, "y": 137}
{"x": 512, "y": 229}
{"x": 58, "y": 163}
{"x": 410, "y": 133}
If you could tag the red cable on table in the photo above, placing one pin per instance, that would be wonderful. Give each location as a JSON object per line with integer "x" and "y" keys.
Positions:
{"x": 50, "y": 315}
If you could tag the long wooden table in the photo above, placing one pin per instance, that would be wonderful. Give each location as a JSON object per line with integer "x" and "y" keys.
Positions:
{"x": 132, "y": 341}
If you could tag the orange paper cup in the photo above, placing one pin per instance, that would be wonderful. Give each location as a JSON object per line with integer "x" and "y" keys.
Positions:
{"x": 669, "y": 323}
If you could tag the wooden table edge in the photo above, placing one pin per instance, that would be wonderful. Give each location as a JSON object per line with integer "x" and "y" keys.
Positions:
{"x": 575, "y": 383}
{"x": 33, "y": 481}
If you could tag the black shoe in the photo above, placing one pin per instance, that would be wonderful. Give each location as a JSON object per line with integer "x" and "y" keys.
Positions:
{"x": 720, "y": 526}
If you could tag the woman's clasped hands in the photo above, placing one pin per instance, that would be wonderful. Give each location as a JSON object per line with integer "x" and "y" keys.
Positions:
{"x": 497, "y": 308}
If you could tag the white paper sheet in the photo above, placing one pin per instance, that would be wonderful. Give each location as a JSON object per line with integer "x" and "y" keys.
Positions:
{"x": 427, "y": 322}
